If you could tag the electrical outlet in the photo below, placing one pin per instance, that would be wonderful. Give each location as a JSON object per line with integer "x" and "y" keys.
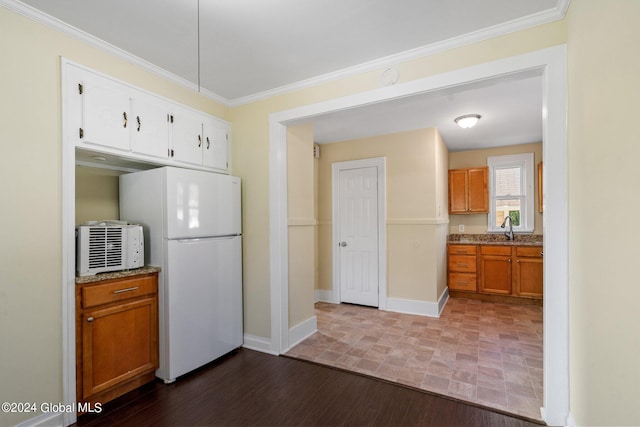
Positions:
{"x": 461, "y": 228}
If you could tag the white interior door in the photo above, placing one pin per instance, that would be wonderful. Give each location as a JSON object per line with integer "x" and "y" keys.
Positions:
{"x": 358, "y": 236}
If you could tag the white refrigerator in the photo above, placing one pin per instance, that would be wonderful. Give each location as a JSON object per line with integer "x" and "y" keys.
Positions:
{"x": 192, "y": 230}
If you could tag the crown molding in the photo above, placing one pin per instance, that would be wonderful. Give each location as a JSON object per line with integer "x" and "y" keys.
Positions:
{"x": 519, "y": 24}
{"x": 512, "y": 26}
{"x": 56, "y": 24}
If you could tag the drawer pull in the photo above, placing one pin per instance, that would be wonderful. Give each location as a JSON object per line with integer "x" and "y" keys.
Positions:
{"x": 462, "y": 283}
{"x": 462, "y": 265}
{"x": 89, "y": 319}
{"x": 119, "y": 291}
{"x": 541, "y": 253}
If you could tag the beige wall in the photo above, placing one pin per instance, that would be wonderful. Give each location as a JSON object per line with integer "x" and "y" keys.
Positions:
{"x": 302, "y": 222}
{"x": 30, "y": 308}
{"x": 97, "y": 193}
{"x": 604, "y": 153}
{"x": 415, "y": 170}
{"x": 477, "y": 224}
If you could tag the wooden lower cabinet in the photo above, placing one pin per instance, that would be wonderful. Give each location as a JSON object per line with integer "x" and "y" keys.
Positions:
{"x": 117, "y": 336}
{"x": 496, "y": 271}
{"x": 528, "y": 272}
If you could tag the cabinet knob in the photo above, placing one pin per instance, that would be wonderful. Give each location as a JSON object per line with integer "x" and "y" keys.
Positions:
{"x": 124, "y": 116}
{"x": 138, "y": 119}
{"x": 517, "y": 260}
{"x": 199, "y": 141}
{"x": 509, "y": 259}
{"x": 208, "y": 143}
{"x": 541, "y": 253}
{"x": 343, "y": 244}
{"x": 89, "y": 319}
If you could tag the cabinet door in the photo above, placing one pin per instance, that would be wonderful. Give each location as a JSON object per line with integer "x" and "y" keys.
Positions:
{"x": 118, "y": 343}
{"x": 216, "y": 144}
{"x": 478, "y": 190}
{"x": 150, "y": 126}
{"x": 529, "y": 276}
{"x": 186, "y": 136}
{"x": 106, "y": 113}
{"x": 458, "y": 191}
{"x": 495, "y": 274}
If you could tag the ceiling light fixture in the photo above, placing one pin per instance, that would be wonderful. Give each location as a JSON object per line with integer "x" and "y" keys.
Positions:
{"x": 468, "y": 120}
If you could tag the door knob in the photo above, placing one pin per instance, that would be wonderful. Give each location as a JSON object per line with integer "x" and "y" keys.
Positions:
{"x": 343, "y": 244}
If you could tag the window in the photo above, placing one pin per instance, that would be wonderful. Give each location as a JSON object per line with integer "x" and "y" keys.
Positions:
{"x": 511, "y": 192}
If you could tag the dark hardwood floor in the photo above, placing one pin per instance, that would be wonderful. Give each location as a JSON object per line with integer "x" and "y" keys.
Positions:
{"x": 248, "y": 388}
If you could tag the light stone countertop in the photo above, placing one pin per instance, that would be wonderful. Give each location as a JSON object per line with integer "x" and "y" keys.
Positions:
{"x": 116, "y": 274}
{"x": 495, "y": 239}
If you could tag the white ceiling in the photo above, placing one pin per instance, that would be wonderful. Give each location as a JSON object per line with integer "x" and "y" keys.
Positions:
{"x": 510, "y": 108}
{"x": 238, "y": 49}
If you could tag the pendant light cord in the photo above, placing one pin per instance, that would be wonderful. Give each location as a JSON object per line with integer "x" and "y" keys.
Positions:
{"x": 198, "y": 46}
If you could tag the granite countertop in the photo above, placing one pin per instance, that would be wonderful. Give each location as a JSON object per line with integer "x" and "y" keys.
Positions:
{"x": 495, "y": 239}
{"x": 116, "y": 274}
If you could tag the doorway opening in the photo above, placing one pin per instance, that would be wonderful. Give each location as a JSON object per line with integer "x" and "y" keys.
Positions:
{"x": 551, "y": 63}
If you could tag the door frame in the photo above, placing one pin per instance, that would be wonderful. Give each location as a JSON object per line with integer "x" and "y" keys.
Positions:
{"x": 336, "y": 168}
{"x": 552, "y": 64}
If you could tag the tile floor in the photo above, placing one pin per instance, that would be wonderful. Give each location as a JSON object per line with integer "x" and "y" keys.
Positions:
{"x": 481, "y": 352}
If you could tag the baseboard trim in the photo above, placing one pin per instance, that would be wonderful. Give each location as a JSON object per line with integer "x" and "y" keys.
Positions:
{"x": 420, "y": 308}
{"x": 261, "y": 344}
{"x": 322, "y": 295}
{"x": 302, "y": 331}
{"x": 46, "y": 419}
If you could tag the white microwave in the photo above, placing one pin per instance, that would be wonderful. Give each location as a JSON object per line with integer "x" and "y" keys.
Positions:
{"x": 108, "y": 246}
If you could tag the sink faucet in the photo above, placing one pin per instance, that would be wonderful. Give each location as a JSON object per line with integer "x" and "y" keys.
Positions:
{"x": 509, "y": 233}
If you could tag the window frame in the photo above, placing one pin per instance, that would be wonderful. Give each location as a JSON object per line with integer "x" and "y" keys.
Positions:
{"x": 525, "y": 161}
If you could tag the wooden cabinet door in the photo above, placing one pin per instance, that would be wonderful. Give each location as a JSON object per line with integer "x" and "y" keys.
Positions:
{"x": 528, "y": 272}
{"x": 119, "y": 342}
{"x": 106, "y": 116}
{"x": 458, "y": 191}
{"x": 495, "y": 274}
{"x": 150, "y": 121}
{"x": 216, "y": 144}
{"x": 478, "y": 190}
{"x": 186, "y": 136}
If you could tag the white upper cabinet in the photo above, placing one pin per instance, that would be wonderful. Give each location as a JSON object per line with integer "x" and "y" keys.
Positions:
{"x": 106, "y": 118}
{"x": 150, "y": 126}
{"x": 200, "y": 139}
{"x": 186, "y": 136}
{"x": 105, "y": 115}
{"x": 215, "y": 152}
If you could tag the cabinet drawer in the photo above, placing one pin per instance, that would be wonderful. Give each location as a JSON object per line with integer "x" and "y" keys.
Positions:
{"x": 462, "y": 263}
{"x": 495, "y": 250}
{"x": 529, "y": 251}
{"x": 462, "y": 249}
{"x": 462, "y": 282}
{"x": 118, "y": 290}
